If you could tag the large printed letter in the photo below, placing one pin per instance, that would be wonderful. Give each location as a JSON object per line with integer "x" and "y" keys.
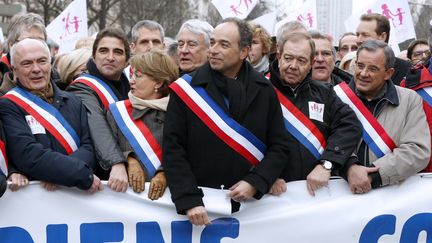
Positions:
{"x": 377, "y": 227}
{"x": 220, "y": 228}
{"x": 57, "y": 233}
{"x": 101, "y": 232}
{"x": 414, "y": 225}
{"x": 15, "y": 234}
{"x": 149, "y": 232}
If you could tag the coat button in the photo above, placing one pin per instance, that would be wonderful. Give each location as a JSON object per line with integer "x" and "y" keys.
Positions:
{"x": 336, "y": 148}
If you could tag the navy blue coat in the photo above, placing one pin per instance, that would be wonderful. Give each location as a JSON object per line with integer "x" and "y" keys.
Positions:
{"x": 41, "y": 156}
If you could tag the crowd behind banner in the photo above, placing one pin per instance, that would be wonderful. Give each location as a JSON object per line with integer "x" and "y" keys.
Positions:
{"x": 226, "y": 107}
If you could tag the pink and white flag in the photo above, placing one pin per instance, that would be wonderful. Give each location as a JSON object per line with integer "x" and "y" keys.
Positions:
{"x": 69, "y": 26}
{"x": 397, "y": 12}
{"x": 234, "y": 8}
{"x": 306, "y": 14}
{"x": 268, "y": 22}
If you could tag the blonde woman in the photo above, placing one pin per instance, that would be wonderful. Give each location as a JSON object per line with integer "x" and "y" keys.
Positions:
{"x": 140, "y": 120}
{"x": 71, "y": 65}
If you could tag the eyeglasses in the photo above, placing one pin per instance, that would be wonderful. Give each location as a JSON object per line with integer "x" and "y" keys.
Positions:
{"x": 421, "y": 53}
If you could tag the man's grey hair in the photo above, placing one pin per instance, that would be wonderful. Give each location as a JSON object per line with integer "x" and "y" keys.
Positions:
{"x": 375, "y": 45}
{"x": 291, "y": 26}
{"x": 316, "y": 35}
{"x": 148, "y": 24}
{"x": 22, "y": 22}
{"x": 13, "y": 50}
{"x": 244, "y": 29}
{"x": 198, "y": 27}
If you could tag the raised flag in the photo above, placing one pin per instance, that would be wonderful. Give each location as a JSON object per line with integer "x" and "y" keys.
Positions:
{"x": 69, "y": 26}
{"x": 306, "y": 14}
{"x": 397, "y": 12}
{"x": 234, "y": 8}
{"x": 268, "y": 22}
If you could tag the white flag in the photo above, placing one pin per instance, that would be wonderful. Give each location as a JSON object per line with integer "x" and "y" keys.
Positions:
{"x": 234, "y": 8}
{"x": 268, "y": 22}
{"x": 306, "y": 14}
{"x": 399, "y": 15}
{"x": 69, "y": 26}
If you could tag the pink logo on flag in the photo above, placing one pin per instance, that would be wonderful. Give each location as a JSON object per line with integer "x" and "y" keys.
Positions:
{"x": 386, "y": 11}
{"x": 235, "y": 10}
{"x": 309, "y": 18}
{"x": 67, "y": 22}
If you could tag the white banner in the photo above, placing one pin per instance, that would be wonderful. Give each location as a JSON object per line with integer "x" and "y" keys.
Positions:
{"x": 306, "y": 14}
{"x": 268, "y": 22}
{"x": 400, "y": 213}
{"x": 69, "y": 26}
{"x": 399, "y": 15}
{"x": 234, "y": 8}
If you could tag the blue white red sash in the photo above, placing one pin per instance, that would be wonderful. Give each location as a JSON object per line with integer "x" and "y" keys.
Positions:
{"x": 138, "y": 135}
{"x": 3, "y": 159}
{"x": 301, "y": 127}
{"x": 373, "y": 133}
{"x": 48, "y": 116}
{"x": 104, "y": 92}
{"x": 426, "y": 94}
{"x": 218, "y": 121}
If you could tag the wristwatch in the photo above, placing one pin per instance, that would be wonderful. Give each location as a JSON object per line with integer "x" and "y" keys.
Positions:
{"x": 328, "y": 165}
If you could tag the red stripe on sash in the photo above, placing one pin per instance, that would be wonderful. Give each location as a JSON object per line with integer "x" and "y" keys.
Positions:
{"x": 213, "y": 127}
{"x": 96, "y": 89}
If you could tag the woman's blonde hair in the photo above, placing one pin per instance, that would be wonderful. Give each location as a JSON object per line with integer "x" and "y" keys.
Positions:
{"x": 69, "y": 63}
{"x": 158, "y": 65}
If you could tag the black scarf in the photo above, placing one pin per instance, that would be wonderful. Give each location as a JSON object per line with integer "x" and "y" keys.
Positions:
{"x": 120, "y": 87}
{"x": 233, "y": 91}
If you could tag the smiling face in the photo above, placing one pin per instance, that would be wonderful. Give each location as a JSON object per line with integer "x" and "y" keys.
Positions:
{"x": 370, "y": 72}
{"x": 110, "y": 57}
{"x": 32, "y": 64}
{"x": 225, "y": 54}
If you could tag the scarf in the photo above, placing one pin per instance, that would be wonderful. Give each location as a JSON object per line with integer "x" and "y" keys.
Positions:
{"x": 263, "y": 65}
{"x": 140, "y": 104}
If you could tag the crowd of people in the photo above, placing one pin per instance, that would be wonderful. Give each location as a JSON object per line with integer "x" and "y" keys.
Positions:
{"x": 223, "y": 107}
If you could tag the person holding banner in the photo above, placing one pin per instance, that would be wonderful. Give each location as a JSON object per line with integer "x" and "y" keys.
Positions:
{"x": 46, "y": 128}
{"x": 222, "y": 127}
{"x": 138, "y": 122}
{"x": 396, "y": 140}
{"x": 325, "y": 131}
{"x": 105, "y": 84}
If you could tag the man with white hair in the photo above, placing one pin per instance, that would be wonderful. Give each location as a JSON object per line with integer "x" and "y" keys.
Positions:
{"x": 46, "y": 128}
{"x": 193, "y": 44}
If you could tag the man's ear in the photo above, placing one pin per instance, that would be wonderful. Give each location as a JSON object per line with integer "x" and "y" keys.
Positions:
{"x": 389, "y": 73}
{"x": 244, "y": 52}
{"x": 383, "y": 36}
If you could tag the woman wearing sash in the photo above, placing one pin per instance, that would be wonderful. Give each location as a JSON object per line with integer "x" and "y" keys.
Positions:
{"x": 142, "y": 120}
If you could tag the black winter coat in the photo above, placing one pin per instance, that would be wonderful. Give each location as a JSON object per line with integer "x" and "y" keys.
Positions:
{"x": 194, "y": 156}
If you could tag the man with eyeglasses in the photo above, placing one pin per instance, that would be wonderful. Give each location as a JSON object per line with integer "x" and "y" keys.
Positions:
{"x": 323, "y": 67}
{"x": 396, "y": 140}
{"x": 193, "y": 44}
{"x": 324, "y": 131}
{"x": 419, "y": 79}
{"x": 419, "y": 51}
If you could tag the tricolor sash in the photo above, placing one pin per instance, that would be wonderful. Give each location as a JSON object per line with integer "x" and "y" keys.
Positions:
{"x": 218, "y": 121}
{"x": 138, "y": 135}
{"x": 3, "y": 159}
{"x": 301, "y": 127}
{"x": 48, "y": 116}
{"x": 104, "y": 92}
{"x": 426, "y": 94}
{"x": 373, "y": 133}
